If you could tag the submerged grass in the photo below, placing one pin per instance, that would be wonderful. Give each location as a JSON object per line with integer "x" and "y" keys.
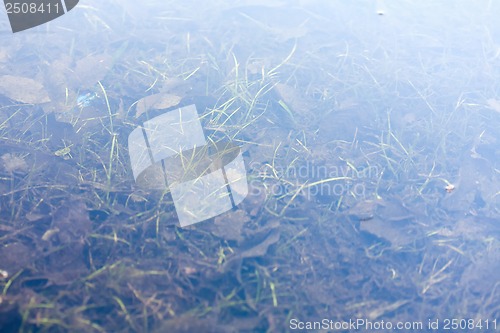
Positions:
{"x": 86, "y": 249}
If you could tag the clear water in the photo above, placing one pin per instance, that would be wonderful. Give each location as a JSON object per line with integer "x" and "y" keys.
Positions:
{"x": 369, "y": 134}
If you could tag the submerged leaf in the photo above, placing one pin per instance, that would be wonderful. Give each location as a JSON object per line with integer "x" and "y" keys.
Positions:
{"x": 71, "y": 222}
{"x": 386, "y": 219}
{"x": 91, "y": 69}
{"x": 397, "y": 233}
{"x": 22, "y": 89}
{"x": 293, "y": 98}
{"x": 229, "y": 226}
{"x": 157, "y": 101}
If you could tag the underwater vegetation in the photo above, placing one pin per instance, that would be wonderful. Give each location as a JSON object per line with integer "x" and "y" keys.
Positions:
{"x": 371, "y": 150}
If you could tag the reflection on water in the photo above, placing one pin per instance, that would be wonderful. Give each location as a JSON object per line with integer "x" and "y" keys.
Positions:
{"x": 371, "y": 146}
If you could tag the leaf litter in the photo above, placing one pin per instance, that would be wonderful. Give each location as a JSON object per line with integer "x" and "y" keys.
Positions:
{"x": 132, "y": 263}
{"x": 158, "y": 101}
{"x": 23, "y": 89}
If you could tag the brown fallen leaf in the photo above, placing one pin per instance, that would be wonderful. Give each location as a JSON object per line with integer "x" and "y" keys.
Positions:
{"x": 22, "y": 89}
{"x": 71, "y": 223}
{"x": 387, "y": 219}
{"x": 157, "y": 101}
{"x": 293, "y": 98}
{"x": 91, "y": 69}
{"x": 255, "y": 246}
{"x": 397, "y": 233}
{"x": 229, "y": 226}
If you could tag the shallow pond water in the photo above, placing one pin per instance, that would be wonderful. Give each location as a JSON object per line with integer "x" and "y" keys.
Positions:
{"x": 369, "y": 138}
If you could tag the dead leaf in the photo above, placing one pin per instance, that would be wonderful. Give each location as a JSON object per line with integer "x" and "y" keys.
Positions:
{"x": 229, "y": 226}
{"x": 175, "y": 85}
{"x": 293, "y": 98}
{"x": 387, "y": 219}
{"x": 363, "y": 210}
{"x": 255, "y": 246}
{"x": 91, "y": 69}
{"x": 16, "y": 256}
{"x": 22, "y": 89}
{"x": 258, "y": 245}
{"x": 71, "y": 222}
{"x": 398, "y": 233}
{"x": 157, "y": 101}
{"x": 57, "y": 76}
{"x": 476, "y": 228}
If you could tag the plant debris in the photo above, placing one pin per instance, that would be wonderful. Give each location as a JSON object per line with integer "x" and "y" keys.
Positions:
{"x": 24, "y": 90}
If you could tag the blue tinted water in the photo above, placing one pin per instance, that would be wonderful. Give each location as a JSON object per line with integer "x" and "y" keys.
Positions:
{"x": 369, "y": 133}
